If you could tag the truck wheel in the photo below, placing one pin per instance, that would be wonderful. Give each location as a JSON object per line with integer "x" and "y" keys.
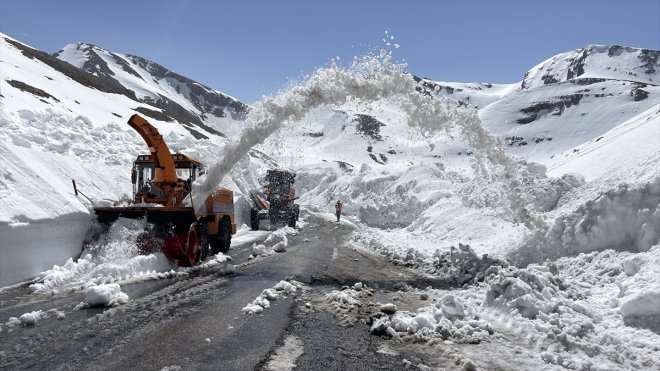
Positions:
{"x": 192, "y": 245}
{"x": 222, "y": 241}
{"x": 292, "y": 220}
{"x": 254, "y": 219}
{"x": 272, "y": 215}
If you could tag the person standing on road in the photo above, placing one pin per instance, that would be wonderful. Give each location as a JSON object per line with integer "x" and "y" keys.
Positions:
{"x": 338, "y": 209}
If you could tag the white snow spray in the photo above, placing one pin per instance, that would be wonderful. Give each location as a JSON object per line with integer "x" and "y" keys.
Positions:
{"x": 371, "y": 79}
{"x": 114, "y": 257}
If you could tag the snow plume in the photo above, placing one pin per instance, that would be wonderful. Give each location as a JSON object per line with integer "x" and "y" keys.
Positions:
{"x": 371, "y": 79}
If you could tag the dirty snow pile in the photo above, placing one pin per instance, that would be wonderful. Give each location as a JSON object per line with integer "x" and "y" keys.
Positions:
{"x": 275, "y": 242}
{"x": 281, "y": 289}
{"x": 32, "y": 318}
{"x": 593, "y": 311}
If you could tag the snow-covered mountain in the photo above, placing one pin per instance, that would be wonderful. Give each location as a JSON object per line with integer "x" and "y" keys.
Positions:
{"x": 182, "y": 99}
{"x": 567, "y": 102}
{"x": 53, "y": 112}
{"x": 557, "y": 177}
{"x": 603, "y": 62}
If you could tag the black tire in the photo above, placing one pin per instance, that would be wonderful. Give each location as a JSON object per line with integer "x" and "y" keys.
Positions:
{"x": 203, "y": 229}
{"x": 292, "y": 220}
{"x": 272, "y": 215}
{"x": 222, "y": 241}
{"x": 254, "y": 219}
{"x": 293, "y": 215}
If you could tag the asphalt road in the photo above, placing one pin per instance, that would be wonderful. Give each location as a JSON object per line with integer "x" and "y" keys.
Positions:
{"x": 196, "y": 323}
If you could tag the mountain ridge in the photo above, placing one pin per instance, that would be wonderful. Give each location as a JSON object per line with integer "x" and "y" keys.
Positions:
{"x": 187, "y": 101}
{"x": 585, "y": 63}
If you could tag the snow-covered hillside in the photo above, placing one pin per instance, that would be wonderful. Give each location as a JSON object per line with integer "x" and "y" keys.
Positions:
{"x": 450, "y": 178}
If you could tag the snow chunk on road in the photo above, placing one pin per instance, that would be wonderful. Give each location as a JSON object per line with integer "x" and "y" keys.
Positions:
{"x": 285, "y": 286}
{"x": 279, "y": 239}
{"x": 108, "y": 295}
{"x": 388, "y": 308}
{"x": 279, "y": 247}
{"x": 262, "y": 301}
{"x": 275, "y": 242}
{"x": 13, "y": 321}
{"x": 252, "y": 309}
{"x": 451, "y": 307}
{"x": 31, "y": 318}
{"x": 258, "y": 249}
{"x": 348, "y": 296}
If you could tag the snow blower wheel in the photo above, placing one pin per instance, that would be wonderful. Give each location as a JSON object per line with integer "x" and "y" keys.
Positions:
{"x": 222, "y": 241}
{"x": 192, "y": 245}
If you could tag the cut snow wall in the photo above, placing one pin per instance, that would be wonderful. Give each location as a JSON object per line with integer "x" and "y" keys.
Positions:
{"x": 624, "y": 218}
{"x": 29, "y": 248}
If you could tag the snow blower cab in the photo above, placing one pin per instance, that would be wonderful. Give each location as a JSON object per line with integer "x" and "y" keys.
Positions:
{"x": 162, "y": 194}
{"x": 276, "y": 201}
{"x": 147, "y": 192}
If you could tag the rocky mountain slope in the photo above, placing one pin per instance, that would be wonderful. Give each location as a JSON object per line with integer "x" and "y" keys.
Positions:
{"x": 182, "y": 99}
{"x": 577, "y": 95}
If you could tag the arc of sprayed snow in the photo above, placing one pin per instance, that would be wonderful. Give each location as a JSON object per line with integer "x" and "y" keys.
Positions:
{"x": 373, "y": 80}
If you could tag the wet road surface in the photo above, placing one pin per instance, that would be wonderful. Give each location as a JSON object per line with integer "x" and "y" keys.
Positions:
{"x": 196, "y": 323}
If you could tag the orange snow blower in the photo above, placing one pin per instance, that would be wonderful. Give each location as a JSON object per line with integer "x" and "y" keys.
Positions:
{"x": 162, "y": 193}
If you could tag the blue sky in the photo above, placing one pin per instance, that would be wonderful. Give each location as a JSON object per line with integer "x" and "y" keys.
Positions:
{"x": 252, "y": 48}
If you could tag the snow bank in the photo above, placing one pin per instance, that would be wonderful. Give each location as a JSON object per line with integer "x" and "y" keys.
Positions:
{"x": 579, "y": 312}
{"x": 26, "y": 249}
{"x": 626, "y": 217}
{"x": 448, "y": 319}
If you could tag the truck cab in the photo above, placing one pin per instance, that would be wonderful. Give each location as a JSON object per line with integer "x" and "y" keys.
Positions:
{"x": 142, "y": 176}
